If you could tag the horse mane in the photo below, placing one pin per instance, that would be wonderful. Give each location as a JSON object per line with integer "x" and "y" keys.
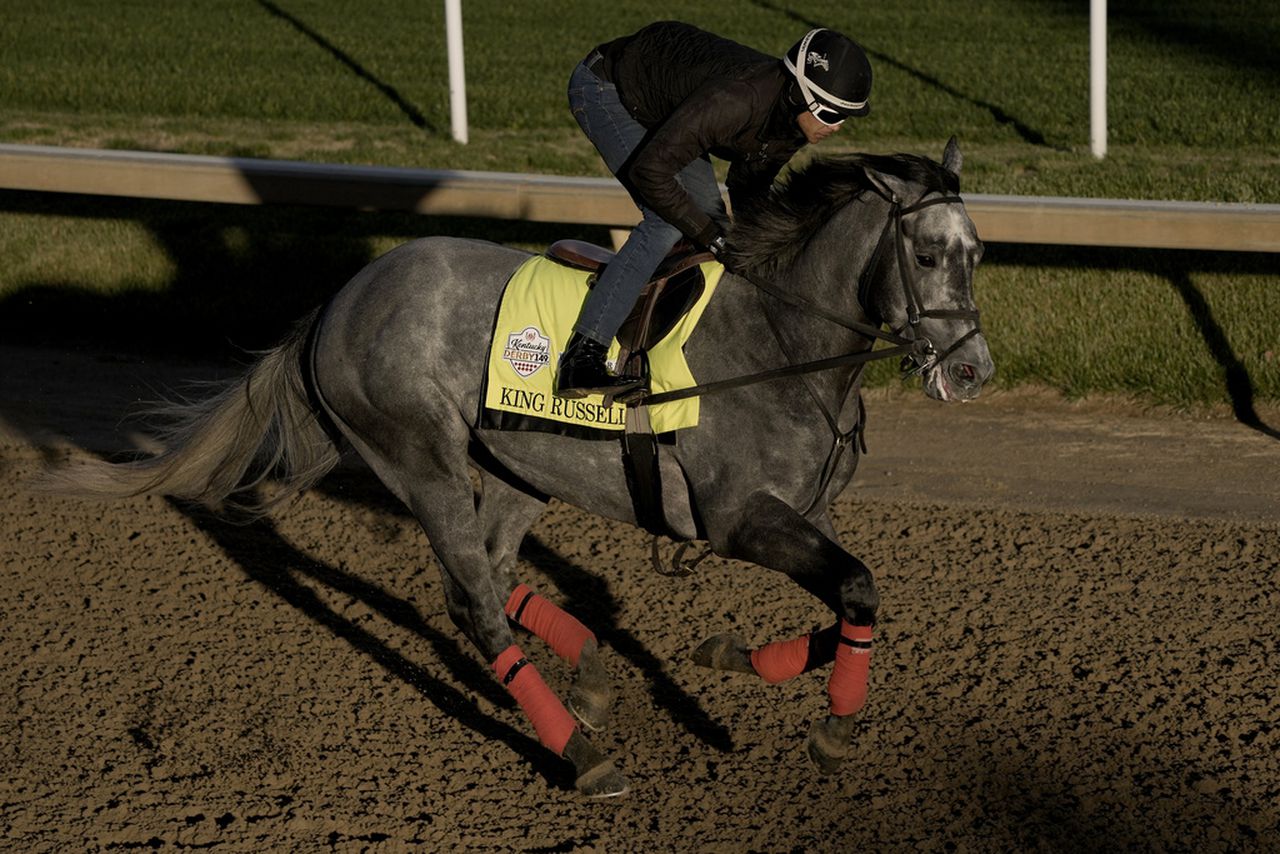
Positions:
{"x": 768, "y": 235}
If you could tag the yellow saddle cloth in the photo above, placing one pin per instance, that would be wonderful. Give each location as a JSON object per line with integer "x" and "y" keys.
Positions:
{"x": 534, "y": 322}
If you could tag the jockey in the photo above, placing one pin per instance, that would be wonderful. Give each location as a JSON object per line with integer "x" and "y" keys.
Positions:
{"x": 656, "y": 104}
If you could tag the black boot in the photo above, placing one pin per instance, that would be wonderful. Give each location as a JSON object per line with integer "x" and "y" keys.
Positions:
{"x": 582, "y": 371}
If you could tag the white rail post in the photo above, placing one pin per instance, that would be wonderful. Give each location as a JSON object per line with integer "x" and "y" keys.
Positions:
{"x": 1098, "y": 77}
{"x": 457, "y": 72}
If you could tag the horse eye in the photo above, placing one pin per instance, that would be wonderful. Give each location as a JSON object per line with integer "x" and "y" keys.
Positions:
{"x": 925, "y": 260}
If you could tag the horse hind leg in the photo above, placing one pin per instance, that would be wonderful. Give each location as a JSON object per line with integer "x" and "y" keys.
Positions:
{"x": 506, "y": 512}
{"x": 591, "y": 694}
{"x": 437, "y": 487}
{"x": 592, "y": 691}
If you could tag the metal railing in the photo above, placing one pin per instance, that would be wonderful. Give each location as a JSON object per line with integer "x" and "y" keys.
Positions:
{"x": 594, "y": 201}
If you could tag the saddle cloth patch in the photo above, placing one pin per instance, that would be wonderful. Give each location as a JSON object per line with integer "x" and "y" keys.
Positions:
{"x": 539, "y": 307}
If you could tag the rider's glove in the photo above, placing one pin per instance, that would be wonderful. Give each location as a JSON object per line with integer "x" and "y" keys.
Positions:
{"x": 718, "y": 247}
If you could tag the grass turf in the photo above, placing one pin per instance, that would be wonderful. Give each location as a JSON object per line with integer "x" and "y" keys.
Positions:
{"x": 1191, "y": 98}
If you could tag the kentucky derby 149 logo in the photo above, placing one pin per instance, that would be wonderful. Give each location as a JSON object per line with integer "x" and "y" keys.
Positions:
{"x": 527, "y": 351}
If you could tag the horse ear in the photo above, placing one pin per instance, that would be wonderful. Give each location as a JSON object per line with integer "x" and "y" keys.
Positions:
{"x": 880, "y": 184}
{"x": 951, "y": 157}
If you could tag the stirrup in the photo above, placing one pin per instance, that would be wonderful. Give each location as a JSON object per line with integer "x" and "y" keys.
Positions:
{"x": 582, "y": 365}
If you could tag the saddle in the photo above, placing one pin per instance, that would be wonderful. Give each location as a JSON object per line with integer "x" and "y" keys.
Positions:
{"x": 667, "y": 297}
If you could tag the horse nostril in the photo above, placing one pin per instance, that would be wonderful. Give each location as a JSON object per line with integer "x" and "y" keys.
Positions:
{"x": 964, "y": 374}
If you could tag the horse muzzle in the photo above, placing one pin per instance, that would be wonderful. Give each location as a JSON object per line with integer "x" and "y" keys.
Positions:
{"x": 959, "y": 375}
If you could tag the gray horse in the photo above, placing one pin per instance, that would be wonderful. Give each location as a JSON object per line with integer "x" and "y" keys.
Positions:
{"x": 394, "y": 364}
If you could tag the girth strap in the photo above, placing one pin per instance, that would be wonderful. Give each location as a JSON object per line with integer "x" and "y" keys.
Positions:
{"x": 641, "y": 464}
{"x": 644, "y": 478}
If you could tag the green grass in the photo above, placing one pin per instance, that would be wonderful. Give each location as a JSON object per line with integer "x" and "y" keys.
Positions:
{"x": 1190, "y": 83}
{"x": 1193, "y": 89}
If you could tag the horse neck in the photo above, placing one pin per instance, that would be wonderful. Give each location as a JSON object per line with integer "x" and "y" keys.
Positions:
{"x": 827, "y": 273}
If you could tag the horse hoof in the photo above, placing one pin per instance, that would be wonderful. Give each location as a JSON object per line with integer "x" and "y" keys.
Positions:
{"x": 601, "y": 778}
{"x": 590, "y": 710}
{"x": 602, "y": 781}
{"x": 828, "y": 745}
{"x": 724, "y": 652}
{"x": 590, "y": 695}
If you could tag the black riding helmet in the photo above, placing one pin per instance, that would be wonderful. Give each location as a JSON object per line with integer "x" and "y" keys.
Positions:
{"x": 833, "y": 74}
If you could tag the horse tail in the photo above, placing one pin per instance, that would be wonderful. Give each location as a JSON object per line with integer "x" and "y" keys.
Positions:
{"x": 261, "y": 425}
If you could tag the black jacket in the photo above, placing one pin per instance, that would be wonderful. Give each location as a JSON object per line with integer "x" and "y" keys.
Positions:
{"x": 701, "y": 94}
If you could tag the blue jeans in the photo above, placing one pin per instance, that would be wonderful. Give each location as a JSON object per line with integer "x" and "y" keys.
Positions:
{"x": 615, "y": 134}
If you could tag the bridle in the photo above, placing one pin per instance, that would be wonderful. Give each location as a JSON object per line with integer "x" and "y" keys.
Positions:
{"x": 925, "y": 355}
{"x": 917, "y": 352}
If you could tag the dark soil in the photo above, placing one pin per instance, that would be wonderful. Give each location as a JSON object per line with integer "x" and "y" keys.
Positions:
{"x": 1077, "y": 651}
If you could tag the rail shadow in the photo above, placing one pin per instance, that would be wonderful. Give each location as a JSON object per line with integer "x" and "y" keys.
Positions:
{"x": 1236, "y": 33}
{"x": 389, "y": 92}
{"x": 1175, "y": 267}
{"x": 999, "y": 114}
{"x": 239, "y": 275}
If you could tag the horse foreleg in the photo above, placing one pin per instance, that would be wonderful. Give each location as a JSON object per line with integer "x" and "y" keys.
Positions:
{"x": 774, "y": 535}
{"x": 829, "y": 738}
{"x": 774, "y": 662}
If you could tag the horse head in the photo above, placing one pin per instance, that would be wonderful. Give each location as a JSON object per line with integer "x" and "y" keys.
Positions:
{"x": 924, "y": 277}
{"x": 881, "y": 239}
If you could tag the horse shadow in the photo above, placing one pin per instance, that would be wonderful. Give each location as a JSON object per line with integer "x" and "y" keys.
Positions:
{"x": 268, "y": 559}
{"x": 582, "y": 593}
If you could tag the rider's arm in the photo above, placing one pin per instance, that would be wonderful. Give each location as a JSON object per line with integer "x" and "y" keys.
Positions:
{"x": 748, "y": 182}
{"x": 706, "y": 119}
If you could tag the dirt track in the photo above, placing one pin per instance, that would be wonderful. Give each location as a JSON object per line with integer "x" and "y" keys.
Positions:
{"x": 1078, "y": 651}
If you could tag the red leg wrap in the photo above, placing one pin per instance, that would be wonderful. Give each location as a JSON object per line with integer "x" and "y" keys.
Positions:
{"x": 848, "y": 685}
{"x": 550, "y": 718}
{"x": 561, "y": 631}
{"x": 781, "y": 660}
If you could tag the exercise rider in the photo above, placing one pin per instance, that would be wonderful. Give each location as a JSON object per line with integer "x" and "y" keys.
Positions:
{"x": 656, "y": 104}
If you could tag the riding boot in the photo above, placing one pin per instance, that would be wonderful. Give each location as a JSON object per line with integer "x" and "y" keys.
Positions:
{"x": 582, "y": 371}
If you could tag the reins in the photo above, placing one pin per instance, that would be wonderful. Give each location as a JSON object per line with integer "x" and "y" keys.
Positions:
{"x": 918, "y": 349}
